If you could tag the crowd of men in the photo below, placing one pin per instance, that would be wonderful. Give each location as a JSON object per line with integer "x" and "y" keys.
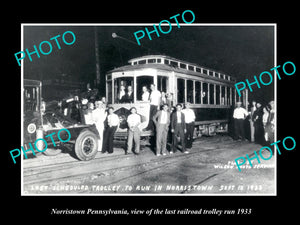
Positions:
{"x": 163, "y": 120}
{"x": 261, "y": 120}
{"x": 176, "y": 122}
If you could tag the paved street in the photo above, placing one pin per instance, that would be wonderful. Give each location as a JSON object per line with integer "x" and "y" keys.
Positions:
{"x": 209, "y": 168}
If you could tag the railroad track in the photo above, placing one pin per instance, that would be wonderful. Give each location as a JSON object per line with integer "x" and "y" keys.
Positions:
{"x": 41, "y": 173}
{"x": 30, "y": 170}
{"x": 140, "y": 165}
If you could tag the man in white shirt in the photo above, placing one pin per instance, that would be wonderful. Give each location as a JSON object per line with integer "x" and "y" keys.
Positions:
{"x": 88, "y": 117}
{"x": 134, "y": 133}
{"x": 239, "y": 115}
{"x": 99, "y": 115}
{"x": 112, "y": 125}
{"x": 121, "y": 95}
{"x": 145, "y": 95}
{"x": 189, "y": 117}
{"x": 155, "y": 98}
{"x": 162, "y": 121}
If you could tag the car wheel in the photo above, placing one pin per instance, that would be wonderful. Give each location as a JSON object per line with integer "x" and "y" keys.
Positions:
{"x": 86, "y": 145}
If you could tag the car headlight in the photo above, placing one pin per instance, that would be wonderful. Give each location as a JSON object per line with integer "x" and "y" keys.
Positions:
{"x": 31, "y": 128}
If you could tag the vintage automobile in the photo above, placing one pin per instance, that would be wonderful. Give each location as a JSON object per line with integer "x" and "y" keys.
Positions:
{"x": 41, "y": 119}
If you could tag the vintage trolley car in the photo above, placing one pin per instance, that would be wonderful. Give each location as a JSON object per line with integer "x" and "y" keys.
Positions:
{"x": 211, "y": 93}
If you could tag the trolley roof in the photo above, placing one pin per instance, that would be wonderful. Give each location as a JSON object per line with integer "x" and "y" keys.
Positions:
{"x": 32, "y": 83}
{"x": 189, "y": 68}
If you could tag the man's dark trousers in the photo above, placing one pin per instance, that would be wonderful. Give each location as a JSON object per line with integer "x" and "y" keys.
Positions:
{"x": 178, "y": 131}
{"x": 189, "y": 134}
{"x": 239, "y": 128}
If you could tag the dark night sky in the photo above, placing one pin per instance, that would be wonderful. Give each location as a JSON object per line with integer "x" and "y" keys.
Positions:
{"x": 240, "y": 51}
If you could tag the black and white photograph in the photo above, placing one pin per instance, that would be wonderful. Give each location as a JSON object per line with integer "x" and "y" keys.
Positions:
{"x": 137, "y": 109}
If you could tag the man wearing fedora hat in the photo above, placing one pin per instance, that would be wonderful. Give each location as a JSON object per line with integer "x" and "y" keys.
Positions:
{"x": 239, "y": 114}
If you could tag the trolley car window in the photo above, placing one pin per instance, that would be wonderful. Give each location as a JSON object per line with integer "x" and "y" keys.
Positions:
{"x": 166, "y": 61}
{"x": 142, "y": 81}
{"x": 31, "y": 99}
{"x": 151, "y": 60}
{"x": 191, "y": 68}
{"x": 204, "y": 71}
{"x": 197, "y": 92}
{"x": 210, "y": 73}
{"x": 211, "y": 94}
{"x": 198, "y": 69}
{"x": 183, "y": 66}
{"x": 217, "y": 94}
{"x": 180, "y": 90}
{"x": 205, "y": 93}
{"x": 109, "y": 92}
{"x": 158, "y": 60}
{"x": 142, "y": 61}
{"x": 162, "y": 83}
{"x": 223, "y": 102}
{"x": 228, "y": 96}
{"x": 190, "y": 91}
{"x": 121, "y": 87}
{"x": 240, "y": 98}
{"x": 173, "y": 63}
{"x": 232, "y": 95}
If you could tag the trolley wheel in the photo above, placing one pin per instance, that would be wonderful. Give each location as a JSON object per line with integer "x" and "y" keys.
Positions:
{"x": 86, "y": 145}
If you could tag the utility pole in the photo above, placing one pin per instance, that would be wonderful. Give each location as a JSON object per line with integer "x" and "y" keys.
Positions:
{"x": 97, "y": 58}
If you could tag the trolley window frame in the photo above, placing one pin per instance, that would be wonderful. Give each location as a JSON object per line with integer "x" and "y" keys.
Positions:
{"x": 227, "y": 102}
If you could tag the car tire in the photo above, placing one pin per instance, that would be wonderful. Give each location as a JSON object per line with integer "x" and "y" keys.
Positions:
{"x": 52, "y": 152}
{"x": 86, "y": 145}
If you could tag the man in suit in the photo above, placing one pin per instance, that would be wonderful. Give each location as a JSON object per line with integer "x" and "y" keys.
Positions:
{"x": 162, "y": 121}
{"x": 178, "y": 128}
{"x": 129, "y": 95}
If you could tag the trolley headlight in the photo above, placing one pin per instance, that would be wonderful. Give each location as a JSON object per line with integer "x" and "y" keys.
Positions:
{"x": 31, "y": 128}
